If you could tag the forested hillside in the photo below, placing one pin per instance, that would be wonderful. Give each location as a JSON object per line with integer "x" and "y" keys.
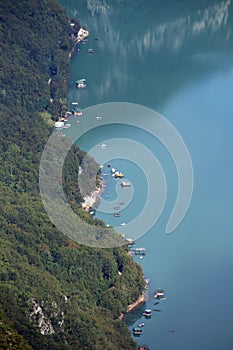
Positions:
{"x": 54, "y": 293}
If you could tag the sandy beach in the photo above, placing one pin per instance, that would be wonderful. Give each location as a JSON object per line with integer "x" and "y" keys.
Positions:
{"x": 132, "y": 306}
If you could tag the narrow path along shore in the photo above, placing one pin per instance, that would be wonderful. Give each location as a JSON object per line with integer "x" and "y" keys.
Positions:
{"x": 132, "y": 306}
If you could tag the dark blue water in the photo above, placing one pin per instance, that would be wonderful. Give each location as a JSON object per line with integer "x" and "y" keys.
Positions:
{"x": 175, "y": 57}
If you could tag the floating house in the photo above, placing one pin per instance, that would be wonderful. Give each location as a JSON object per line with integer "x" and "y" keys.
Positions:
{"x": 159, "y": 294}
{"x": 137, "y": 331}
{"x": 125, "y": 184}
{"x": 77, "y": 112}
{"x": 117, "y": 174}
{"x": 82, "y": 34}
{"x": 81, "y": 83}
{"x": 138, "y": 251}
{"x": 147, "y": 313}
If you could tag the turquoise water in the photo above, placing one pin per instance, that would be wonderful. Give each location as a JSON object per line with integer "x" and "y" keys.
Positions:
{"x": 176, "y": 58}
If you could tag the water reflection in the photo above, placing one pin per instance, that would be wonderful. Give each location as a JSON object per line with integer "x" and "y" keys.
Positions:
{"x": 162, "y": 27}
{"x": 144, "y": 47}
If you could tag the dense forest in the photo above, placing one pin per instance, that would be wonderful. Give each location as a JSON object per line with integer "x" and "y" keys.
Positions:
{"x": 54, "y": 293}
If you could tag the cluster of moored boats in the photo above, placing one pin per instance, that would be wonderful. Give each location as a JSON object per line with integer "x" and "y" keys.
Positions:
{"x": 118, "y": 175}
{"x": 80, "y": 83}
{"x": 147, "y": 313}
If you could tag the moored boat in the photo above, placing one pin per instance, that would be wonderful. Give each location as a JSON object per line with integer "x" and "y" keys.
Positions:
{"x": 147, "y": 313}
{"x": 125, "y": 184}
{"x": 81, "y": 86}
{"x": 81, "y": 83}
{"x": 118, "y": 174}
{"x": 138, "y": 251}
{"x": 137, "y": 331}
{"x": 159, "y": 294}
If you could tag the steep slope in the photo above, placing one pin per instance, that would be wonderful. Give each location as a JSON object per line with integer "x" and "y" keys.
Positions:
{"x": 56, "y": 293}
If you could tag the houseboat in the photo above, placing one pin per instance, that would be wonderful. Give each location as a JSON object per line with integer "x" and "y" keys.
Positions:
{"x": 81, "y": 83}
{"x": 159, "y": 294}
{"x": 137, "y": 331}
{"x": 138, "y": 251}
{"x": 125, "y": 184}
{"x": 147, "y": 313}
{"x": 118, "y": 175}
{"x": 81, "y": 86}
{"x": 77, "y": 112}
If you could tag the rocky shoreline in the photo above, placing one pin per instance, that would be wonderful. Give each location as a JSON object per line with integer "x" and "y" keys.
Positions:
{"x": 89, "y": 201}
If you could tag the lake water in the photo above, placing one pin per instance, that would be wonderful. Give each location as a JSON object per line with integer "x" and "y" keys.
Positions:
{"x": 175, "y": 57}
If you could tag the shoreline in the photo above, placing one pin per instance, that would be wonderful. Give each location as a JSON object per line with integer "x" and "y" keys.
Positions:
{"x": 139, "y": 301}
{"x": 90, "y": 200}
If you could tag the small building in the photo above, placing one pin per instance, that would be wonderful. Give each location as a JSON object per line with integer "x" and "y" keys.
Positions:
{"x": 147, "y": 313}
{"x": 159, "y": 294}
{"x": 137, "y": 331}
{"x": 125, "y": 184}
{"x": 138, "y": 251}
{"x": 82, "y": 34}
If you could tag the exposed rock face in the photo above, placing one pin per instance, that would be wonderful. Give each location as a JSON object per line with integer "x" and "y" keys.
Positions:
{"x": 41, "y": 315}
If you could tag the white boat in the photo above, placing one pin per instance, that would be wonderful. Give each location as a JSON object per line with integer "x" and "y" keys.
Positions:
{"x": 159, "y": 294}
{"x": 59, "y": 124}
{"x": 81, "y": 86}
{"x": 125, "y": 184}
{"x": 123, "y": 224}
{"x": 147, "y": 313}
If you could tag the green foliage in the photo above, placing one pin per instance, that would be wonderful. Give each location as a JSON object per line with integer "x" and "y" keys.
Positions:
{"x": 10, "y": 339}
{"x": 76, "y": 293}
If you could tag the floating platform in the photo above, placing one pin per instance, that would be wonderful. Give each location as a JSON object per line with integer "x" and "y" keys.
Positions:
{"x": 138, "y": 251}
{"x": 125, "y": 184}
{"x": 147, "y": 313}
{"x": 137, "y": 331}
{"x": 159, "y": 294}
